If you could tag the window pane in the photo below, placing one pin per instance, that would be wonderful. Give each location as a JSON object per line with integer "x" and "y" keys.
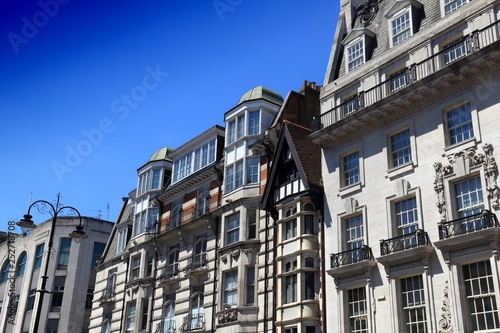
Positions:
{"x": 253, "y": 122}
{"x": 355, "y": 55}
{"x": 413, "y": 304}
{"x": 64, "y": 250}
{"x": 351, "y": 169}
{"x": 401, "y": 148}
{"x": 480, "y": 293}
{"x": 358, "y": 321}
{"x": 401, "y": 28}
{"x": 459, "y": 122}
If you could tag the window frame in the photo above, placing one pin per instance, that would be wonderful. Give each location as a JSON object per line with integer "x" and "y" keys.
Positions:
{"x": 472, "y": 298}
{"x": 407, "y": 30}
{"x": 355, "y": 53}
{"x": 401, "y": 152}
{"x": 135, "y": 267}
{"x": 446, "y": 3}
{"x": 64, "y": 252}
{"x": 21, "y": 264}
{"x": 408, "y": 303}
{"x": 39, "y": 253}
{"x": 473, "y": 124}
{"x": 130, "y": 315}
{"x": 353, "y": 317}
{"x": 230, "y": 288}
{"x": 353, "y": 173}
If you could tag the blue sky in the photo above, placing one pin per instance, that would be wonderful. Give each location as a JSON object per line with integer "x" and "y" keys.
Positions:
{"x": 89, "y": 91}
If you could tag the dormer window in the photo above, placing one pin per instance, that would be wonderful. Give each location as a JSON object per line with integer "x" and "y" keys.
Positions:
{"x": 355, "y": 55}
{"x": 404, "y": 19}
{"x": 401, "y": 27}
{"x": 359, "y": 46}
{"x": 452, "y": 5}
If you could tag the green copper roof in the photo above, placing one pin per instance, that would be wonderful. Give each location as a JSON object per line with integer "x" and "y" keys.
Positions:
{"x": 161, "y": 154}
{"x": 261, "y": 92}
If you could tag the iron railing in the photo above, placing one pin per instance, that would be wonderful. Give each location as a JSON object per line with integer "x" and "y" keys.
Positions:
{"x": 413, "y": 73}
{"x": 404, "y": 242}
{"x": 108, "y": 294}
{"x": 170, "y": 271}
{"x": 197, "y": 261}
{"x": 194, "y": 322}
{"x": 362, "y": 253}
{"x": 468, "y": 224}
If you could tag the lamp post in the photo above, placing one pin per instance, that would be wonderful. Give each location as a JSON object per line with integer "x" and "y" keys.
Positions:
{"x": 26, "y": 222}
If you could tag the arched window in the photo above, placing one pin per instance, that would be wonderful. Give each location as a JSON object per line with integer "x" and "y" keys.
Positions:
{"x": 21, "y": 264}
{"x": 308, "y": 207}
{"x": 106, "y": 326}
{"x": 168, "y": 317}
{"x": 5, "y": 271}
{"x": 197, "y": 320}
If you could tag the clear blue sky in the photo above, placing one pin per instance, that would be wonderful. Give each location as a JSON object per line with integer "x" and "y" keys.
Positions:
{"x": 89, "y": 90}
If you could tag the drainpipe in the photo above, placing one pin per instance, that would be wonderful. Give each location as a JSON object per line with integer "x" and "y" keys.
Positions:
{"x": 323, "y": 268}
{"x": 267, "y": 272}
{"x": 220, "y": 178}
{"x": 155, "y": 268}
{"x": 124, "y": 294}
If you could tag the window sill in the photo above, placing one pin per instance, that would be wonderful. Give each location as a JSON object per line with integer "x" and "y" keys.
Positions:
{"x": 457, "y": 147}
{"x": 400, "y": 170}
{"x": 350, "y": 189}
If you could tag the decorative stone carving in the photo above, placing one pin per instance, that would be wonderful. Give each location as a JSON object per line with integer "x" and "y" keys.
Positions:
{"x": 491, "y": 173}
{"x": 444, "y": 324}
{"x": 460, "y": 164}
{"x": 367, "y": 11}
{"x": 227, "y": 316}
{"x": 439, "y": 189}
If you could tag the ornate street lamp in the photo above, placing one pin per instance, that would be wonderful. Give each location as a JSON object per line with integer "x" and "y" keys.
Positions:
{"x": 78, "y": 234}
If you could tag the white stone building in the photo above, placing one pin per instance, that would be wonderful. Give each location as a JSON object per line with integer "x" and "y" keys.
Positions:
{"x": 409, "y": 134}
{"x": 71, "y": 276}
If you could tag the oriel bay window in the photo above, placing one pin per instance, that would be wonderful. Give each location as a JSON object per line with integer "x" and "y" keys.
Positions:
{"x": 230, "y": 287}
{"x": 233, "y": 228}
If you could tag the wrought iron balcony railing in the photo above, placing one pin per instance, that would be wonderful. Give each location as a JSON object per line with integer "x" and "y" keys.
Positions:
{"x": 193, "y": 322}
{"x": 171, "y": 271}
{"x": 108, "y": 294}
{"x": 468, "y": 224}
{"x": 468, "y": 44}
{"x": 351, "y": 256}
{"x": 197, "y": 261}
{"x": 404, "y": 242}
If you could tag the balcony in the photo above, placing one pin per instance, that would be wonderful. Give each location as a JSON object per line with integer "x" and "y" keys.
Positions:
{"x": 227, "y": 316}
{"x": 196, "y": 263}
{"x": 403, "y": 249}
{"x": 107, "y": 296}
{"x": 169, "y": 273}
{"x": 395, "y": 97}
{"x": 468, "y": 231}
{"x": 351, "y": 262}
{"x": 193, "y": 322}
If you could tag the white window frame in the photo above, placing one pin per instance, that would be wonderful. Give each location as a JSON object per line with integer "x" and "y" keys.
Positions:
{"x": 357, "y": 309}
{"x": 230, "y": 288}
{"x": 413, "y": 300}
{"x": 130, "y": 315}
{"x": 406, "y": 30}
{"x": 135, "y": 267}
{"x": 355, "y": 234}
{"x": 122, "y": 240}
{"x": 352, "y": 175}
{"x": 233, "y": 223}
{"x": 400, "y": 155}
{"x": 450, "y": 6}
{"x": 482, "y": 296}
{"x": 355, "y": 53}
